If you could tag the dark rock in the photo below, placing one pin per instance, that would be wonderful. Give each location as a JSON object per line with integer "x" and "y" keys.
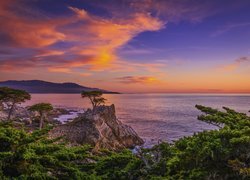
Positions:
{"x": 99, "y": 128}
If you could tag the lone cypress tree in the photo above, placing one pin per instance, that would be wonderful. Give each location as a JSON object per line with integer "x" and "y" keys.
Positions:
{"x": 11, "y": 97}
{"x": 95, "y": 97}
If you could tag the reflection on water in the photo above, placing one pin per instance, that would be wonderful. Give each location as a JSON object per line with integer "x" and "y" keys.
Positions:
{"x": 155, "y": 117}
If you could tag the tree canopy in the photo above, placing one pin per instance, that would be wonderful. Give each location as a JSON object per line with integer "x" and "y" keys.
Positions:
{"x": 10, "y": 97}
{"x": 42, "y": 109}
{"x": 95, "y": 97}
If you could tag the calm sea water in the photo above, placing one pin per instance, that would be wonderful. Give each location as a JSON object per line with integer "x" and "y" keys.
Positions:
{"x": 155, "y": 117}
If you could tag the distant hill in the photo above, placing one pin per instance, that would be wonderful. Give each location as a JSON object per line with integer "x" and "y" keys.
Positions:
{"x": 37, "y": 86}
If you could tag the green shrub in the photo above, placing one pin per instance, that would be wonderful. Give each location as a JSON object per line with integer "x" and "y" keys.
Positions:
{"x": 215, "y": 154}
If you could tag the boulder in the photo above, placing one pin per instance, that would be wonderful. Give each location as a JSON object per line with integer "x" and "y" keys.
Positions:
{"x": 99, "y": 128}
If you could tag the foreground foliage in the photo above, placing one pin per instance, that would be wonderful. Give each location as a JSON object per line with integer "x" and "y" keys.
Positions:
{"x": 217, "y": 154}
{"x": 33, "y": 155}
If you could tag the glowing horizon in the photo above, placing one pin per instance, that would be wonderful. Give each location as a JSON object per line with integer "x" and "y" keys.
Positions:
{"x": 129, "y": 46}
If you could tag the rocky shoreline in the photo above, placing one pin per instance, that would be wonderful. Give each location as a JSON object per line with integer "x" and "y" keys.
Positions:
{"x": 99, "y": 127}
{"x": 28, "y": 118}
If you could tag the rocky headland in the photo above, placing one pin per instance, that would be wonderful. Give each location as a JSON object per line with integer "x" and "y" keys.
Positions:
{"x": 99, "y": 128}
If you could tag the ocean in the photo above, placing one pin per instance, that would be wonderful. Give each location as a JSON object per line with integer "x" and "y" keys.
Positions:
{"x": 155, "y": 117}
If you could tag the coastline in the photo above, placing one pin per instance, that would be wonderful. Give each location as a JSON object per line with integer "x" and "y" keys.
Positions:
{"x": 155, "y": 117}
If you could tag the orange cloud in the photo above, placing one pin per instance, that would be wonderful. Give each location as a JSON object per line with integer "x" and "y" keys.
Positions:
{"x": 236, "y": 64}
{"x": 49, "y": 53}
{"x": 96, "y": 39}
{"x": 137, "y": 79}
{"x": 101, "y": 36}
{"x": 27, "y": 32}
{"x": 106, "y": 36}
{"x": 85, "y": 74}
{"x": 59, "y": 69}
{"x": 80, "y": 12}
{"x": 11, "y": 65}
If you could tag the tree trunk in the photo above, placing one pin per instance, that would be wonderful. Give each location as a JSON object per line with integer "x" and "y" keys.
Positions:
{"x": 94, "y": 106}
{"x": 1, "y": 106}
{"x": 10, "y": 111}
{"x": 92, "y": 102}
{"x": 41, "y": 121}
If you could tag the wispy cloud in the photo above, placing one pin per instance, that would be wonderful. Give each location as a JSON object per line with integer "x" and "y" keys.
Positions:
{"x": 229, "y": 27}
{"x": 86, "y": 74}
{"x": 91, "y": 40}
{"x": 235, "y": 64}
{"x": 137, "y": 79}
{"x": 101, "y": 36}
{"x": 21, "y": 31}
{"x": 46, "y": 53}
{"x": 170, "y": 10}
{"x": 78, "y": 38}
{"x": 59, "y": 69}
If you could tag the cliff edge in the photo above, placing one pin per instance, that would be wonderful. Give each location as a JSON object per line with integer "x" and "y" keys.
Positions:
{"x": 99, "y": 128}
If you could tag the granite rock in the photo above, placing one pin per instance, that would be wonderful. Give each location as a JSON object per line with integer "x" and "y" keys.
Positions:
{"x": 99, "y": 128}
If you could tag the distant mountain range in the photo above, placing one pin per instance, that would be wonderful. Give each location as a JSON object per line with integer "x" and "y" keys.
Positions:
{"x": 37, "y": 86}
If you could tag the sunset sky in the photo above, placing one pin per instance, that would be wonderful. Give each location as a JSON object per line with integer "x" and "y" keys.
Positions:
{"x": 128, "y": 46}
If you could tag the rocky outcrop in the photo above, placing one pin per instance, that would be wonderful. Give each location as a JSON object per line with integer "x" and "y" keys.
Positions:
{"x": 19, "y": 113}
{"x": 99, "y": 128}
{"x": 22, "y": 114}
